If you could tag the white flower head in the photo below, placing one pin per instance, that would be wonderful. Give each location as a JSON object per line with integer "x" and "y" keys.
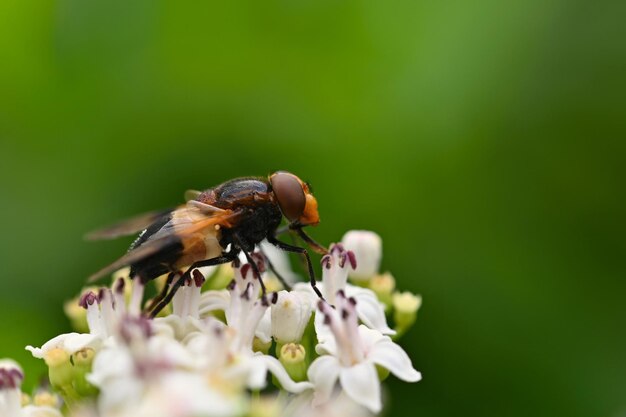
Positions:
{"x": 105, "y": 309}
{"x": 367, "y": 248}
{"x": 351, "y": 356}
{"x": 290, "y": 315}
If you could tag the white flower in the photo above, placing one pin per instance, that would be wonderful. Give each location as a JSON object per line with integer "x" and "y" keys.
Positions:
{"x": 367, "y": 248}
{"x": 11, "y": 377}
{"x": 185, "y": 317}
{"x": 290, "y": 315}
{"x": 335, "y": 267}
{"x": 351, "y": 356}
{"x": 104, "y": 312}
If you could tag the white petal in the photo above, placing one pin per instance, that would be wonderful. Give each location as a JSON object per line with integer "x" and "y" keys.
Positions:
{"x": 391, "y": 356}
{"x": 264, "y": 328}
{"x": 80, "y": 341}
{"x": 369, "y": 310}
{"x": 213, "y": 300}
{"x": 323, "y": 373}
{"x": 325, "y": 338}
{"x": 71, "y": 342}
{"x": 360, "y": 382}
{"x": 276, "y": 368}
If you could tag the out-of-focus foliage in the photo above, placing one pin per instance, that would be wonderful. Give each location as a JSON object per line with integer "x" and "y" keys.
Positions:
{"x": 483, "y": 140}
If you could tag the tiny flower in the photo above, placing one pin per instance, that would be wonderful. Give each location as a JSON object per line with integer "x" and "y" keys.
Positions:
{"x": 351, "y": 356}
{"x": 290, "y": 315}
{"x": 367, "y": 248}
{"x": 383, "y": 286}
{"x": 405, "y": 307}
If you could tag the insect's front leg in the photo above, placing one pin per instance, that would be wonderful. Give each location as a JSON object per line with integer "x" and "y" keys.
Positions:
{"x": 309, "y": 240}
{"x": 296, "y": 249}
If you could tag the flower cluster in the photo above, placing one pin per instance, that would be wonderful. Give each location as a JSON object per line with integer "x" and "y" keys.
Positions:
{"x": 222, "y": 348}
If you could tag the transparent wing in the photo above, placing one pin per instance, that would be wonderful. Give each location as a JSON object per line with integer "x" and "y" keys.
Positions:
{"x": 127, "y": 227}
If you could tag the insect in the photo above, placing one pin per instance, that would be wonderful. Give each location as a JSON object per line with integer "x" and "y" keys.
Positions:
{"x": 213, "y": 227}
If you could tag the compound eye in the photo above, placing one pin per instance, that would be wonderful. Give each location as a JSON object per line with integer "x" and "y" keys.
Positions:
{"x": 289, "y": 193}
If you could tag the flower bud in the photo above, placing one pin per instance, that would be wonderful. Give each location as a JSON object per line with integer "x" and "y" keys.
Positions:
{"x": 82, "y": 361}
{"x": 405, "y": 307}
{"x": 293, "y": 357}
{"x": 383, "y": 286}
{"x": 368, "y": 249}
{"x": 45, "y": 398}
{"x": 61, "y": 373}
{"x": 290, "y": 315}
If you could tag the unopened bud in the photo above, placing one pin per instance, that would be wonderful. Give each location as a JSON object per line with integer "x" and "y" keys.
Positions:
{"x": 82, "y": 361}
{"x": 46, "y": 398}
{"x": 290, "y": 315}
{"x": 368, "y": 249}
{"x": 293, "y": 357}
{"x": 383, "y": 286}
{"x": 405, "y": 310}
{"x": 61, "y": 373}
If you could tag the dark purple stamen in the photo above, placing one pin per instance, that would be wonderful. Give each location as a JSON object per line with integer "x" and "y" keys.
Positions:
{"x": 352, "y": 259}
{"x": 198, "y": 278}
{"x": 244, "y": 270}
{"x": 119, "y": 286}
{"x": 87, "y": 299}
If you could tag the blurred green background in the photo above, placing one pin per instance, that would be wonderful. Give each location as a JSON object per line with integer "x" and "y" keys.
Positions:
{"x": 485, "y": 142}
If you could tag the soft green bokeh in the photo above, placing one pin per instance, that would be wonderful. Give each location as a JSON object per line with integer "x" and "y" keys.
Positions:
{"x": 485, "y": 142}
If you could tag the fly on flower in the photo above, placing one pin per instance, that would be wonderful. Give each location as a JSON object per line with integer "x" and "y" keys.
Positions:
{"x": 213, "y": 227}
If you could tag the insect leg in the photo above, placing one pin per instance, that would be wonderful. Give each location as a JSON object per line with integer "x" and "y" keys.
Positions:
{"x": 275, "y": 272}
{"x": 255, "y": 269}
{"x": 309, "y": 240}
{"x": 158, "y": 298}
{"x": 224, "y": 258}
{"x": 296, "y": 249}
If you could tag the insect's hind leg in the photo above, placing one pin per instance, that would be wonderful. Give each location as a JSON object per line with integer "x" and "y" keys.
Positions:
{"x": 296, "y": 249}
{"x": 224, "y": 258}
